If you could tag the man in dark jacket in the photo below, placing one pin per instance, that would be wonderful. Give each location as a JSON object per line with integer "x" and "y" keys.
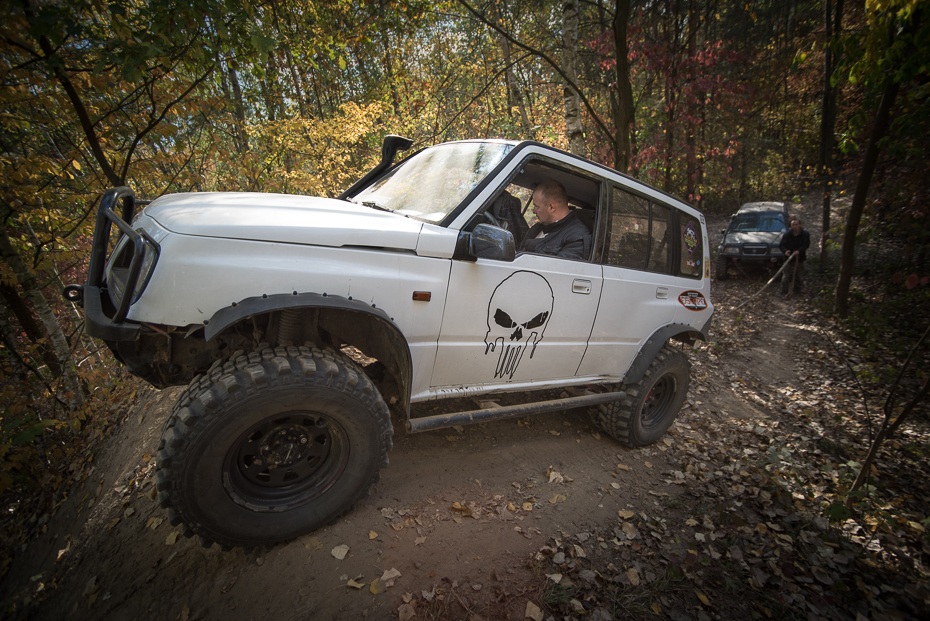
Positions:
{"x": 558, "y": 231}
{"x": 796, "y": 241}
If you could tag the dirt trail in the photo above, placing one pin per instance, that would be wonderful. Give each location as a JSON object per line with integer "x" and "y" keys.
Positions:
{"x": 519, "y": 486}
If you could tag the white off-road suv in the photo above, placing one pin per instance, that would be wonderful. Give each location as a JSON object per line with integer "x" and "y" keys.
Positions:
{"x": 254, "y": 300}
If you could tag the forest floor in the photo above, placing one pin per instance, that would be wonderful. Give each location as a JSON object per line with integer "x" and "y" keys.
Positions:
{"x": 539, "y": 518}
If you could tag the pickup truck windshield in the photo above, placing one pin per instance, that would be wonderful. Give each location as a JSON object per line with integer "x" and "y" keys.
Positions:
{"x": 433, "y": 182}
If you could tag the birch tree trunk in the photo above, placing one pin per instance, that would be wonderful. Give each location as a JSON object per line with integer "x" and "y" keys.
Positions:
{"x": 574, "y": 130}
{"x": 46, "y": 316}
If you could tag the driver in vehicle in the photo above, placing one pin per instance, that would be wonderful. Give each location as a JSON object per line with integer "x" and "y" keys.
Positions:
{"x": 559, "y": 231}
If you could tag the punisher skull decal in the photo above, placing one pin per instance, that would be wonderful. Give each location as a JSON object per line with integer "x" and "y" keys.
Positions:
{"x": 518, "y": 313}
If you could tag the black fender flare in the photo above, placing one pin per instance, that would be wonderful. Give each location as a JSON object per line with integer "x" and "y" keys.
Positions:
{"x": 652, "y": 345}
{"x": 402, "y": 367}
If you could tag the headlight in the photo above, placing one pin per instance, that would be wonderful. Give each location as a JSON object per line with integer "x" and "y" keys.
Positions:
{"x": 731, "y": 250}
{"x": 120, "y": 264}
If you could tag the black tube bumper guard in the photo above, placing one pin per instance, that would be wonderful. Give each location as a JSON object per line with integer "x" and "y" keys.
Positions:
{"x": 91, "y": 295}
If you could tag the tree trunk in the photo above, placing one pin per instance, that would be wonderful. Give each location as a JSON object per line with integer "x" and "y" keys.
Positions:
{"x": 514, "y": 93}
{"x": 624, "y": 114}
{"x": 47, "y": 317}
{"x": 691, "y": 127}
{"x": 27, "y": 323}
{"x": 243, "y": 140}
{"x": 828, "y": 120}
{"x": 848, "y": 257}
{"x": 574, "y": 130}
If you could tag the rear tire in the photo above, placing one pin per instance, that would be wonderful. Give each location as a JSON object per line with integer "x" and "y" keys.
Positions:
{"x": 652, "y": 404}
{"x": 269, "y": 446}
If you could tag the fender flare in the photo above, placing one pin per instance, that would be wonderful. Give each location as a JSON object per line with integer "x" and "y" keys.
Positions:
{"x": 257, "y": 305}
{"x": 654, "y": 343}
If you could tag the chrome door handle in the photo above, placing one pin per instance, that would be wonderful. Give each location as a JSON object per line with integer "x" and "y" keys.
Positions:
{"x": 662, "y": 293}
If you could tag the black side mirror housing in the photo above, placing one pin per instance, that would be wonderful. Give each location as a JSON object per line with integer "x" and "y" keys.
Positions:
{"x": 486, "y": 242}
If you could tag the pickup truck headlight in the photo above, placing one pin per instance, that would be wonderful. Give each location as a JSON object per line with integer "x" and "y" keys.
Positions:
{"x": 731, "y": 250}
{"x": 120, "y": 264}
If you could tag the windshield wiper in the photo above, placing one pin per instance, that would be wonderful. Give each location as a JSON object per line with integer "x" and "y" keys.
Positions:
{"x": 375, "y": 205}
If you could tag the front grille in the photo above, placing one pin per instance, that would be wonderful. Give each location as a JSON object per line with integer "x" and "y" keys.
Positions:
{"x": 755, "y": 249}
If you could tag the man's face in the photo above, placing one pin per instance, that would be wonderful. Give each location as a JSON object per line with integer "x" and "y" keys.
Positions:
{"x": 542, "y": 208}
{"x": 795, "y": 227}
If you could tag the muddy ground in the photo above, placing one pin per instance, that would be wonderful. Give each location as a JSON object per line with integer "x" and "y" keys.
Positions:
{"x": 468, "y": 517}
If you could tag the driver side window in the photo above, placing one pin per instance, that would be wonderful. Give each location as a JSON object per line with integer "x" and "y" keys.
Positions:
{"x": 536, "y": 228}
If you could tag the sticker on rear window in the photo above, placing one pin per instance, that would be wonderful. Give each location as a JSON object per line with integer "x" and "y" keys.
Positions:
{"x": 690, "y": 237}
{"x": 693, "y": 300}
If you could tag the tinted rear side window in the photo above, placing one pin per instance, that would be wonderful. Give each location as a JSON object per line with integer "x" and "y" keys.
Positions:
{"x": 692, "y": 246}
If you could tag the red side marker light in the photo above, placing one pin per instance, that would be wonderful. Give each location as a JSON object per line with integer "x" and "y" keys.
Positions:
{"x": 422, "y": 296}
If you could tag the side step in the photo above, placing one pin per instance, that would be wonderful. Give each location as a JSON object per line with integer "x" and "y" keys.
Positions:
{"x": 439, "y": 421}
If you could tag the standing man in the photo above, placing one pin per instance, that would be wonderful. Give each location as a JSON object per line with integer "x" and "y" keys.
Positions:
{"x": 558, "y": 231}
{"x": 795, "y": 242}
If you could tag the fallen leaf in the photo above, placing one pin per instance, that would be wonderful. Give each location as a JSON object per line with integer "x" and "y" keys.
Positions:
{"x": 647, "y": 464}
{"x": 372, "y": 534}
{"x": 557, "y": 498}
{"x": 629, "y": 530}
{"x": 702, "y": 597}
{"x": 419, "y": 541}
{"x": 406, "y": 612}
{"x": 625, "y": 514}
{"x": 691, "y": 522}
{"x": 154, "y": 523}
{"x": 464, "y": 510}
{"x": 389, "y": 576}
{"x": 533, "y": 612}
{"x": 527, "y": 506}
{"x": 355, "y": 585}
{"x": 557, "y": 578}
{"x": 340, "y": 551}
{"x": 376, "y": 587}
{"x": 554, "y": 476}
{"x": 172, "y": 538}
{"x": 623, "y": 467}
{"x": 633, "y": 576}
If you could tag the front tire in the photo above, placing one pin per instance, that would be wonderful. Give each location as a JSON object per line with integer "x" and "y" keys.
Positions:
{"x": 270, "y": 446}
{"x": 721, "y": 268}
{"x": 652, "y": 404}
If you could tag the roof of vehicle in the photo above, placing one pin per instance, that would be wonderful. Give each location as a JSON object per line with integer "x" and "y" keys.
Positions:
{"x": 762, "y": 206}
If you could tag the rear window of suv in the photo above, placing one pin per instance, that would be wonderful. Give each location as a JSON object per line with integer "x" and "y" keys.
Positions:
{"x": 645, "y": 235}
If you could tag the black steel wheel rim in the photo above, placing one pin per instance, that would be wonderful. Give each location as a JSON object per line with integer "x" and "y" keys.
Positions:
{"x": 657, "y": 402}
{"x": 285, "y": 461}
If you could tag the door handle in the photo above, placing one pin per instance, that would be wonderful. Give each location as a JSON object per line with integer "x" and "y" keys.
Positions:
{"x": 662, "y": 293}
{"x": 581, "y": 286}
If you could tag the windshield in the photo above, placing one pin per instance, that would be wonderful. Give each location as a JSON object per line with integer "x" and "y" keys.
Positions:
{"x": 767, "y": 222}
{"x": 433, "y": 182}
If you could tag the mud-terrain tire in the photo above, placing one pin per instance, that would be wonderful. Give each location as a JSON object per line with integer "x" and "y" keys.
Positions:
{"x": 720, "y": 269}
{"x": 313, "y": 416}
{"x": 651, "y": 404}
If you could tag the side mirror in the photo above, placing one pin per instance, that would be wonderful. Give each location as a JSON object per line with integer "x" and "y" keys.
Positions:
{"x": 487, "y": 242}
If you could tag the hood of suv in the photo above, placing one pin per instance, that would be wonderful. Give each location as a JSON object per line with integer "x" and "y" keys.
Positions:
{"x": 752, "y": 237}
{"x": 284, "y": 218}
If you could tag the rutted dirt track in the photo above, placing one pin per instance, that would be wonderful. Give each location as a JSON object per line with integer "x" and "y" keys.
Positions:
{"x": 468, "y": 515}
